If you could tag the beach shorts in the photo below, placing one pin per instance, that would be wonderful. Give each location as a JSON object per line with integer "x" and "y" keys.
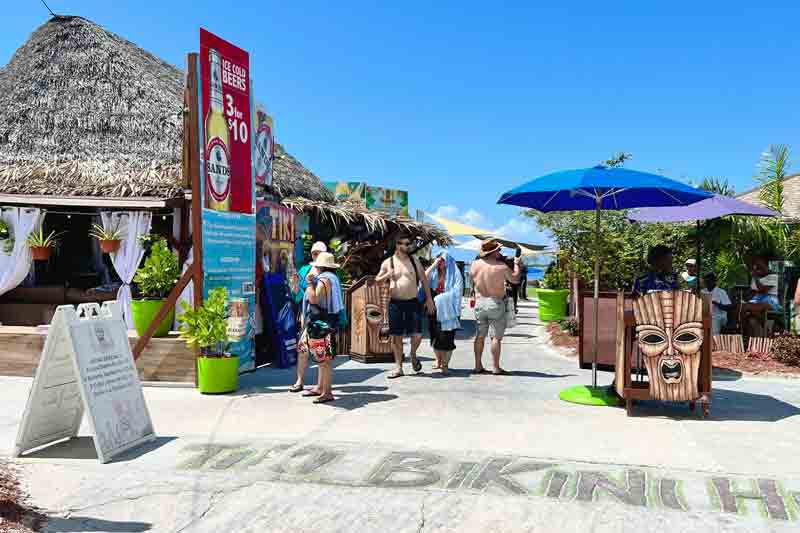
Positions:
{"x": 405, "y": 318}
{"x": 444, "y": 341}
{"x": 771, "y": 300}
{"x": 490, "y": 314}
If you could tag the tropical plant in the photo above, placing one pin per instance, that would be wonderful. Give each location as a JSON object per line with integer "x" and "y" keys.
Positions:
{"x": 160, "y": 271}
{"x": 101, "y": 234}
{"x": 718, "y": 186}
{"x": 206, "y": 327}
{"x": 554, "y": 278}
{"x": 786, "y": 349}
{"x": 38, "y": 239}
{"x": 6, "y": 237}
{"x": 570, "y": 325}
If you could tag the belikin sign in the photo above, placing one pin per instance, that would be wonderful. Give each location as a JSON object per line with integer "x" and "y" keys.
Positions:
{"x": 225, "y": 126}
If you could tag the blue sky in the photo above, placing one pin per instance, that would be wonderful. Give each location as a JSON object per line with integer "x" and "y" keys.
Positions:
{"x": 460, "y": 101}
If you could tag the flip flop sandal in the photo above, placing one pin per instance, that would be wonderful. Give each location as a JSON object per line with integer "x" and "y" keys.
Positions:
{"x": 395, "y": 375}
{"x": 501, "y": 372}
{"x": 296, "y": 388}
{"x": 324, "y": 400}
{"x": 481, "y": 371}
{"x": 310, "y": 393}
{"x": 416, "y": 365}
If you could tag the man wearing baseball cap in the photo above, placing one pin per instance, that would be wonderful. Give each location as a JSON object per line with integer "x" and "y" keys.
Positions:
{"x": 689, "y": 276}
{"x": 489, "y": 276}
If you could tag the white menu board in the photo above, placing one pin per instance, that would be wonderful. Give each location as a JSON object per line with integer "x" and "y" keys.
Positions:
{"x": 86, "y": 364}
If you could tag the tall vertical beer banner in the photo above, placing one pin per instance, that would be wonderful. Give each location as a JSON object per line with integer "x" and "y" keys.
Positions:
{"x": 228, "y": 187}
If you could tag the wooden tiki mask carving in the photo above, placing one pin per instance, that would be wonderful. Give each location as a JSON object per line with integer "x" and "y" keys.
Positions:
{"x": 669, "y": 326}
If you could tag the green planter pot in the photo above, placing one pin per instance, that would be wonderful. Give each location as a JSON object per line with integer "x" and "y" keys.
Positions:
{"x": 144, "y": 311}
{"x": 217, "y": 375}
{"x": 552, "y": 304}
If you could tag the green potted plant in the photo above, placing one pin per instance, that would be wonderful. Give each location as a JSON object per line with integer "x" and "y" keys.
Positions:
{"x": 553, "y": 296}
{"x": 42, "y": 244}
{"x": 206, "y": 328}
{"x": 6, "y": 238}
{"x": 155, "y": 278}
{"x": 109, "y": 239}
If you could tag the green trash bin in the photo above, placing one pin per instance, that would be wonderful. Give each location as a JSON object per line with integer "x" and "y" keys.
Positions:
{"x": 552, "y": 304}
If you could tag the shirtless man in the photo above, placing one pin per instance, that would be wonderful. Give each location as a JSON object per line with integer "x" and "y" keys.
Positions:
{"x": 404, "y": 274}
{"x": 489, "y": 276}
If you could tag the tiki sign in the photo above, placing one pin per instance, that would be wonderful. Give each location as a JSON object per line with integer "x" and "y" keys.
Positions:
{"x": 669, "y": 326}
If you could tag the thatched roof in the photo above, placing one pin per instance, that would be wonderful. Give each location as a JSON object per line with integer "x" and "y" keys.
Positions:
{"x": 344, "y": 214}
{"x": 84, "y": 112}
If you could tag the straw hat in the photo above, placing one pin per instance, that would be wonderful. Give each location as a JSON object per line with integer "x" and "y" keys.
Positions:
{"x": 325, "y": 260}
{"x": 319, "y": 246}
{"x": 490, "y": 246}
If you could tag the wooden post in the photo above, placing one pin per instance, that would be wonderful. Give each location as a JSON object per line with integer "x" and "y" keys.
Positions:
{"x": 192, "y": 134}
{"x": 191, "y": 131}
{"x": 620, "y": 366}
{"x": 172, "y": 299}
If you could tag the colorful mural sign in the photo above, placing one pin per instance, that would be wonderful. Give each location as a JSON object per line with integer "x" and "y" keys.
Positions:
{"x": 228, "y": 190}
{"x": 392, "y": 201}
{"x": 276, "y": 237}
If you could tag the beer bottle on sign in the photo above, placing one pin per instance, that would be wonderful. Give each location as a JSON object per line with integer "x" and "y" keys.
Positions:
{"x": 218, "y": 164}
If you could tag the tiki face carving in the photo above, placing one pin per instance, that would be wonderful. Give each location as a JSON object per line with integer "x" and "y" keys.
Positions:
{"x": 670, "y": 331}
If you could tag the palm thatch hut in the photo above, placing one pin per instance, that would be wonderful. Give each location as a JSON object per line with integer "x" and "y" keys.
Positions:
{"x": 366, "y": 235}
{"x": 86, "y": 115}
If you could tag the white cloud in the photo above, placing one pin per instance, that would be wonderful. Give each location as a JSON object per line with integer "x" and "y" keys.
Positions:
{"x": 473, "y": 217}
{"x": 518, "y": 228}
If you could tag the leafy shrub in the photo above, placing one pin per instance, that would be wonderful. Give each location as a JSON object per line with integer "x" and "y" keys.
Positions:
{"x": 160, "y": 271}
{"x": 554, "y": 278}
{"x": 786, "y": 349}
{"x": 207, "y": 327}
{"x": 570, "y": 325}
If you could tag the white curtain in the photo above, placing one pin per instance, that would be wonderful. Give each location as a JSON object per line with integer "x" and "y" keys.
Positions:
{"x": 14, "y": 267}
{"x": 132, "y": 225}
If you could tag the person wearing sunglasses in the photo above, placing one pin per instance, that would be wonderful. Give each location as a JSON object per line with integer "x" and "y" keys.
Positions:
{"x": 408, "y": 288}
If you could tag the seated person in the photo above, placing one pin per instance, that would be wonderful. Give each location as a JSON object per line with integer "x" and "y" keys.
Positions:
{"x": 765, "y": 296}
{"x": 660, "y": 276}
{"x": 720, "y": 303}
{"x": 689, "y": 276}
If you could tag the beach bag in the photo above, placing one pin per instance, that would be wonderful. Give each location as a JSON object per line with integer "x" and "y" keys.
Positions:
{"x": 511, "y": 314}
{"x": 319, "y": 339}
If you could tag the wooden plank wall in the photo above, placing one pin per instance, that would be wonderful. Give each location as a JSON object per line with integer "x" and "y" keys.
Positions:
{"x": 166, "y": 359}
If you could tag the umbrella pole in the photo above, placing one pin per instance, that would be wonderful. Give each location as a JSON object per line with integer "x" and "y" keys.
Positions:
{"x": 699, "y": 261}
{"x": 595, "y": 309}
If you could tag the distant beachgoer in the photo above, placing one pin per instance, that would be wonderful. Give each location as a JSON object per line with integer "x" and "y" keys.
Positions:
{"x": 324, "y": 303}
{"x": 523, "y": 287}
{"x": 405, "y": 276}
{"x": 307, "y": 273}
{"x": 720, "y": 303}
{"x": 689, "y": 276}
{"x": 489, "y": 276}
{"x": 660, "y": 276}
{"x": 447, "y": 288}
{"x": 765, "y": 296}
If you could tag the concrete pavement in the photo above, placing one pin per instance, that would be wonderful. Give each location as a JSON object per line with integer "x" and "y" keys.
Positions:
{"x": 431, "y": 453}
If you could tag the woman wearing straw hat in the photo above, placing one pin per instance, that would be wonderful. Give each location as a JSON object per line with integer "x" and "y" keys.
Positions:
{"x": 323, "y": 304}
{"x": 302, "y": 279}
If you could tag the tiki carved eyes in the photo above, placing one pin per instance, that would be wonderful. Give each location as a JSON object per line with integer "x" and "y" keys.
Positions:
{"x": 686, "y": 340}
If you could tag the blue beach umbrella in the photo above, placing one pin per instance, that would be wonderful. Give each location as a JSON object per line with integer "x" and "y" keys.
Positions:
{"x": 595, "y": 189}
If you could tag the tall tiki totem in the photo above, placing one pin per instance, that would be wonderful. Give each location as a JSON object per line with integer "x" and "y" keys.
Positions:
{"x": 669, "y": 326}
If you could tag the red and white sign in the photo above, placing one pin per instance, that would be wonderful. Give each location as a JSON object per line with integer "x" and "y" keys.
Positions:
{"x": 225, "y": 108}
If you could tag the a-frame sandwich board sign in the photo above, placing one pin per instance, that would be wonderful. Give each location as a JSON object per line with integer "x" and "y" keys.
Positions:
{"x": 86, "y": 366}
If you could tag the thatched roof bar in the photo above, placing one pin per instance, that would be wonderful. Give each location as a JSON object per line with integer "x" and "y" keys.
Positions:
{"x": 346, "y": 213}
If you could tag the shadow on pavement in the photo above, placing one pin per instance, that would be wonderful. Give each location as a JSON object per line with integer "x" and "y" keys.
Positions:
{"x": 266, "y": 380}
{"x": 85, "y": 523}
{"x": 725, "y": 374}
{"x": 83, "y": 448}
{"x": 351, "y": 402}
{"x": 726, "y": 405}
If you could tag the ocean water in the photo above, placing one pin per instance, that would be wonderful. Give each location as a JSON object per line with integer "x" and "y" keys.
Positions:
{"x": 535, "y": 273}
